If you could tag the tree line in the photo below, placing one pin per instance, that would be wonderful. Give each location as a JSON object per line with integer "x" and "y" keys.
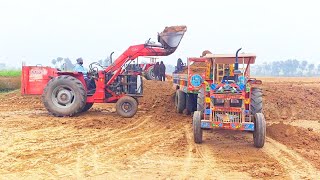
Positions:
{"x": 290, "y": 67}
{"x": 287, "y": 68}
{"x": 65, "y": 64}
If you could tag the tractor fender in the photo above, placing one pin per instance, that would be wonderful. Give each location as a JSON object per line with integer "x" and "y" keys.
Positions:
{"x": 77, "y": 75}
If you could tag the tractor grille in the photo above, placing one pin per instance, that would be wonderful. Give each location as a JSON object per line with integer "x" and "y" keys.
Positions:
{"x": 225, "y": 117}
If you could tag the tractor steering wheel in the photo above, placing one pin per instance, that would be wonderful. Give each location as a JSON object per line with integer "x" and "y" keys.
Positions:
{"x": 93, "y": 70}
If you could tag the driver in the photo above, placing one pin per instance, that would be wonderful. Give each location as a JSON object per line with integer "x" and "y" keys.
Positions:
{"x": 79, "y": 68}
{"x": 91, "y": 86}
{"x": 179, "y": 65}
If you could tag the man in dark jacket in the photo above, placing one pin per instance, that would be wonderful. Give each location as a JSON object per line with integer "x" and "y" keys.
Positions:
{"x": 156, "y": 71}
{"x": 179, "y": 65}
{"x": 162, "y": 68}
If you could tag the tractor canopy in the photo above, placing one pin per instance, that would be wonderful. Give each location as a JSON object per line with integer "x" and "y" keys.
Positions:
{"x": 230, "y": 58}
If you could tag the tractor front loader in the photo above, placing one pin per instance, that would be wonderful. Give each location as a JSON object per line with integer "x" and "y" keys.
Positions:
{"x": 69, "y": 93}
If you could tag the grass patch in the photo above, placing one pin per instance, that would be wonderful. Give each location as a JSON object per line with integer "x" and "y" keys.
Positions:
{"x": 10, "y": 73}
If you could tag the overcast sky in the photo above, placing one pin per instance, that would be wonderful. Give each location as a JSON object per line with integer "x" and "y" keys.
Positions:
{"x": 37, "y": 31}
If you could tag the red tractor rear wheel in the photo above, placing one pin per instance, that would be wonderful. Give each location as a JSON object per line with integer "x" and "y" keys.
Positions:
{"x": 64, "y": 96}
{"x": 149, "y": 74}
{"x": 87, "y": 107}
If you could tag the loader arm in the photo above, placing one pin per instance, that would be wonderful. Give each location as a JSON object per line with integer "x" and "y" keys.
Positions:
{"x": 169, "y": 41}
{"x": 132, "y": 53}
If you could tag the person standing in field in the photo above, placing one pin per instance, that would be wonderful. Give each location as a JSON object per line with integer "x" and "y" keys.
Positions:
{"x": 162, "y": 68}
{"x": 156, "y": 71}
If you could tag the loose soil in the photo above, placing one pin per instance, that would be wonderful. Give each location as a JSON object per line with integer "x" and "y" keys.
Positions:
{"x": 174, "y": 29}
{"x": 157, "y": 142}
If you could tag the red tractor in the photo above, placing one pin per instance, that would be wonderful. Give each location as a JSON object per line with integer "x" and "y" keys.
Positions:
{"x": 145, "y": 69}
{"x": 69, "y": 93}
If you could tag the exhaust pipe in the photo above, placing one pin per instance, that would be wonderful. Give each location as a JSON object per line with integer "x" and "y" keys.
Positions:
{"x": 236, "y": 64}
{"x": 111, "y": 57}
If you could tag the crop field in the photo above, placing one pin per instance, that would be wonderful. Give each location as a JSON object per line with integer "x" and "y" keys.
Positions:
{"x": 10, "y": 73}
{"x": 157, "y": 142}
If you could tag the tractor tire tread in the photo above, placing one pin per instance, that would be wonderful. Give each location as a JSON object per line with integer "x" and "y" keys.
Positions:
{"x": 259, "y": 134}
{"x": 197, "y": 131}
{"x": 70, "y": 80}
{"x": 256, "y": 104}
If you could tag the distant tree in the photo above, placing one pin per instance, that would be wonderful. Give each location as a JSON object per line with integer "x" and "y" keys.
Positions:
{"x": 311, "y": 69}
{"x": 286, "y": 68}
{"x": 64, "y": 64}
{"x": 303, "y": 65}
{"x": 59, "y": 59}
{"x": 53, "y": 61}
{"x": 68, "y": 64}
{"x": 169, "y": 68}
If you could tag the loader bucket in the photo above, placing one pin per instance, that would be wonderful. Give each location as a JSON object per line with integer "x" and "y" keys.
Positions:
{"x": 171, "y": 36}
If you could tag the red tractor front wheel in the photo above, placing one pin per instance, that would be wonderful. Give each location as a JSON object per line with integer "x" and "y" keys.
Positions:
{"x": 127, "y": 106}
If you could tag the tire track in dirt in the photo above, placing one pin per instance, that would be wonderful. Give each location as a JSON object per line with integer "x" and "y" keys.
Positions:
{"x": 198, "y": 156}
{"x": 236, "y": 156}
{"x": 296, "y": 166}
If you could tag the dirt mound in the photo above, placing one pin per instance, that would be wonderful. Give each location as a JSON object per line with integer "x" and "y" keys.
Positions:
{"x": 158, "y": 101}
{"x": 291, "y": 101}
{"x": 305, "y": 141}
{"x": 197, "y": 67}
{"x": 175, "y": 29}
{"x": 204, "y": 53}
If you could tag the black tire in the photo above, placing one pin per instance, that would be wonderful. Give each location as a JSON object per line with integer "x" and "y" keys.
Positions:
{"x": 200, "y": 100}
{"x": 197, "y": 131}
{"x": 150, "y": 73}
{"x": 259, "y": 134}
{"x": 127, "y": 106}
{"x": 87, "y": 107}
{"x": 191, "y": 103}
{"x": 135, "y": 98}
{"x": 64, "y": 96}
{"x": 180, "y": 101}
{"x": 256, "y": 101}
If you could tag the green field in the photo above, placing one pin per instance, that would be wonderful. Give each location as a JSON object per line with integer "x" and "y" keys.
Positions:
{"x": 10, "y": 73}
